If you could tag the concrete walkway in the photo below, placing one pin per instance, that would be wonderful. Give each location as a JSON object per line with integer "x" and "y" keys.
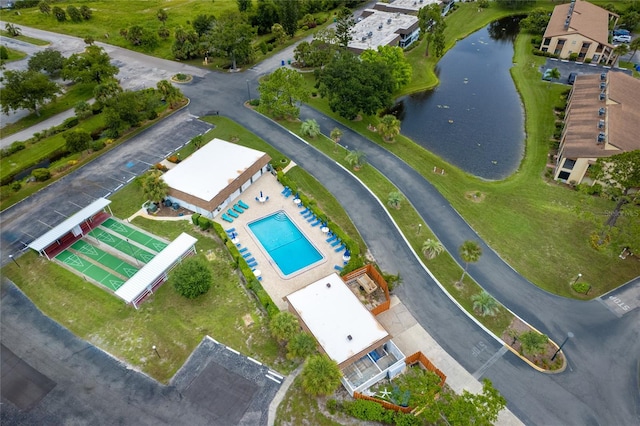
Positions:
{"x": 27, "y": 133}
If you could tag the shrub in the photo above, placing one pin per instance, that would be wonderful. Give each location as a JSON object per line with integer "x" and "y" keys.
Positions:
{"x": 15, "y": 186}
{"x": 161, "y": 167}
{"x": 595, "y": 189}
{"x": 41, "y": 175}
{"x": 194, "y": 218}
{"x": 97, "y": 146}
{"x": 587, "y": 61}
{"x": 204, "y": 223}
{"x": 332, "y": 405}
{"x": 4, "y": 53}
{"x": 173, "y": 159}
{"x": 254, "y": 102}
{"x": 96, "y": 107}
{"x": 70, "y": 122}
{"x": 581, "y": 287}
{"x": 192, "y": 277}
{"x": 573, "y": 57}
{"x": 263, "y": 48}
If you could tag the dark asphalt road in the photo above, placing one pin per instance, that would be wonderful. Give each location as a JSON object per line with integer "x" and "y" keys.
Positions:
{"x": 601, "y": 384}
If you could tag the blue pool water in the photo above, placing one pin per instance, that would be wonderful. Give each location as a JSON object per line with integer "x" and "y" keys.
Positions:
{"x": 285, "y": 243}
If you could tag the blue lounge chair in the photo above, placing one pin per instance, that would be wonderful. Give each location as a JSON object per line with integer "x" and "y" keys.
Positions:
{"x": 243, "y": 249}
{"x": 308, "y": 214}
{"x": 250, "y": 260}
{"x": 284, "y": 191}
{"x": 336, "y": 242}
{"x": 338, "y": 268}
{"x": 252, "y": 264}
{"x": 339, "y": 249}
{"x": 232, "y": 213}
{"x": 267, "y": 199}
{"x": 259, "y": 278}
{"x": 238, "y": 209}
{"x": 316, "y": 223}
{"x": 305, "y": 210}
{"x": 227, "y": 218}
{"x": 288, "y": 194}
{"x": 331, "y": 238}
{"x": 312, "y": 218}
{"x": 257, "y": 199}
{"x": 230, "y": 230}
{"x": 247, "y": 254}
{"x": 243, "y": 205}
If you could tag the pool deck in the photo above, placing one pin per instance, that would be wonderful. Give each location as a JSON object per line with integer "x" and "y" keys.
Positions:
{"x": 274, "y": 284}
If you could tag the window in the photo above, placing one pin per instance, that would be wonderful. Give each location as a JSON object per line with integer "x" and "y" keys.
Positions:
{"x": 547, "y": 41}
{"x": 544, "y": 49}
{"x": 568, "y": 164}
{"x": 563, "y": 175}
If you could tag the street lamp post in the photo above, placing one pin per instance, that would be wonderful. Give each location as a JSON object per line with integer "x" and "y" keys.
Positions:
{"x": 14, "y": 261}
{"x": 419, "y": 228}
{"x": 577, "y": 278}
{"x": 569, "y": 336}
{"x": 156, "y": 351}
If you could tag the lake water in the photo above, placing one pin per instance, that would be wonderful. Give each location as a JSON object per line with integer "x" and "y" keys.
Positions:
{"x": 474, "y": 119}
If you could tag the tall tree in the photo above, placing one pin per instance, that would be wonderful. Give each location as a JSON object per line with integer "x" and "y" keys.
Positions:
{"x": 353, "y": 86}
{"x": 301, "y": 346}
{"x": 620, "y": 174}
{"x": 536, "y": 22}
{"x": 470, "y": 252}
{"x": 244, "y": 5}
{"x": 284, "y": 326}
{"x": 265, "y": 16}
{"x": 77, "y": 140}
{"x": 192, "y": 277}
{"x": 26, "y": 89}
{"x": 44, "y": 7}
{"x": 389, "y": 127}
{"x": 232, "y": 36}
{"x": 49, "y": 60}
{"x": 59, "y": 13}
{"x": 620, "y": 50}
{"x": 344, "y": 25}
{"x": 280, "y": 93}
{"x": 634, "y": 46}
{"x": 336, "y": 135}
{"x": 91, "y": 66}
{"x": 155, "y": 189}
{"x": 431, "y": 24}
{"x": 107, "y": 90}
{"x": 186, "y": 44}
{"x": 320, "y": 375}
{"x": 169, "y": 92}
{"x": 74, "y": 13}
{"x": 289, "y": 12}
{"x": 202, "y": 24}
{"x": 473, "y": 409}
{"x": 394, "y": 58}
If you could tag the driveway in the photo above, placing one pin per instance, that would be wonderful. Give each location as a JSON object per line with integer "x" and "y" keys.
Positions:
{"x": 567, "y": 67}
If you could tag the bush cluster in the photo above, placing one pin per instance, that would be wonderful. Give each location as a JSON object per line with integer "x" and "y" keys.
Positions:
{"x": 539, "y": 52}
{"x": 12, "y": 149}
{"x": 595, "y": 189}
{"x": 372, "y": 411}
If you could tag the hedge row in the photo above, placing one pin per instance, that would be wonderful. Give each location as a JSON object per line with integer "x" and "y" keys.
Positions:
{"x": 372, "y": 411}
{"x": 356, "y": 259}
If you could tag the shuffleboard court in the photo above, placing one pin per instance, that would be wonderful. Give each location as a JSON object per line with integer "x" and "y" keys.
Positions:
{"x": 110, "y": 261}
{"x": 91, "y": 270}
{"x": 122, "y": 245}
{"x": 134, "y": 235}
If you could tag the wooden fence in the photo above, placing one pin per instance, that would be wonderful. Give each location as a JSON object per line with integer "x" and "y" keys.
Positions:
{"x": 419, "y": 357}
{"x": 385, "y": 404}
{"x": 373, "y": 273}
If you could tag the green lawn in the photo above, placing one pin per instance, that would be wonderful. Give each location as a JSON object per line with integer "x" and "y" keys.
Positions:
{"x": 73, "y": 95}
{"x": 14, "y": 55}
{"x": 24, "y": 38}
{"x": 298, "y": 408}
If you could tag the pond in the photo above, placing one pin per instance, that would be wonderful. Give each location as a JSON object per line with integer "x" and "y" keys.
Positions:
{"x": 474, "y": 119}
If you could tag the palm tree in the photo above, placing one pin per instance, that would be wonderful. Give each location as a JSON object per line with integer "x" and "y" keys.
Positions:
{"x": 389, "y": 127}
{"x": 301, "y": 346}
{"x": 12, "y": 30}
{"x": 634, "y": 46}
{"x": 470, "y": 252}
{"x": 107, "y": 90}
{"x": 170, "y": 93}
{"x": 431, "y": 248}
{"x": 154, "y": 187}
{"x": 555, "y": 73}
{"x": 484, "y": 303}
{"x": 533, "y": 343}
{"x": 336, "y": 135}
{"x": 284, "y": 326}
{"x": 320, "y": 375}
{"x": 310, "y": 127}
{"x": 394, "y": 199}
{"x": 356, "y": 159}
{"x": 620, "y": 50}
{"x": 197, "y": 141}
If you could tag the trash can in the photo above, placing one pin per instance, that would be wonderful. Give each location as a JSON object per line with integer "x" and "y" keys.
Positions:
{"x": 283, "y": 62}
{"x": 289, "y": 61}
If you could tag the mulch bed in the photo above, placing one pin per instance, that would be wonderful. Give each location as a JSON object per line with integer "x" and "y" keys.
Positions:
{"x": 542, "y": 360}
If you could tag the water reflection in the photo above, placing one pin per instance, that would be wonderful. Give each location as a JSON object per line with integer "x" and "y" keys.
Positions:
{"x": 474, "y": 118}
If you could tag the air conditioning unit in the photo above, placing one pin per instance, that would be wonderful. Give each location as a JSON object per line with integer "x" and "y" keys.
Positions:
{"x": 603, "y": 85}
{"x": 602, "y": 111}
{"x": 603, "y": 96}
{"x": 603, "y": 76}
{"x": 601, "y": 138}
{"x": 601, "y": 124}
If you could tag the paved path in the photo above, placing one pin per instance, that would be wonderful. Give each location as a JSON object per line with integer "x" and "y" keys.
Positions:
{"x": 600, "y": 385}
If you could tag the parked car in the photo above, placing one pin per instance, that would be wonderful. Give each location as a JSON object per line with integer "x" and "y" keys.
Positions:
{"x": 572, "y": 78}
{"x": 622, "y": 39}
{"x": 621, "y": 32}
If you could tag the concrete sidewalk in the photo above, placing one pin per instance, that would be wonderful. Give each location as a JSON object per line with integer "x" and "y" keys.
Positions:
{"x": 410, "y": 337}
{"x": 27, "y": 133}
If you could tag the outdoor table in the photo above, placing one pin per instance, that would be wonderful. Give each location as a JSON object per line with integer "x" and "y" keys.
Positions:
{"x": 236, "y": 240}
{"x": 257, "y": 272}
{"x": 297, "y": 201}
{"x": 262, "y": 199}
{"x": 324, "y": 230}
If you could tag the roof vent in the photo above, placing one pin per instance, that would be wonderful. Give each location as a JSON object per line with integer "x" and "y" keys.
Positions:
{"x": 328, "y": 285}
{"x": 602, "y": 111}
{"x": 364, "y": 38}
{"x": 380, "y": 26}
{"x": 349, "y": 338}
{"x": 389, "y": 21}
{"x": 601, "y": 124}
{"x": 601, "y": 138}
{"x": 603, "y": 96}
{"x": 603, "y": 76}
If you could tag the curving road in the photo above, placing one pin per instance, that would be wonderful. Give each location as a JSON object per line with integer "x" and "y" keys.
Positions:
{"x": 599, "y": 387}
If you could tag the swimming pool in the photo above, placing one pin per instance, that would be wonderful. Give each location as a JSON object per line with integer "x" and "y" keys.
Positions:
{"x": 285, "y": 243}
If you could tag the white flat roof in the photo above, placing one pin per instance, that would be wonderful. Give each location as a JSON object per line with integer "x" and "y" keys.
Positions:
{"x": 150, "y": 272}
{"x": 406, "y": 5}
{"x": 212, "y": 168}
{"x": 379, "y": 37}
{"x": 68, "y": 224}
{"x": 333, "y": 313}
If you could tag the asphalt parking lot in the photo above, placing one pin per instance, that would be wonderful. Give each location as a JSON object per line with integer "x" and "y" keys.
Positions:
{"x": 55, "y": 378}
{"x": 567, "y": 67}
